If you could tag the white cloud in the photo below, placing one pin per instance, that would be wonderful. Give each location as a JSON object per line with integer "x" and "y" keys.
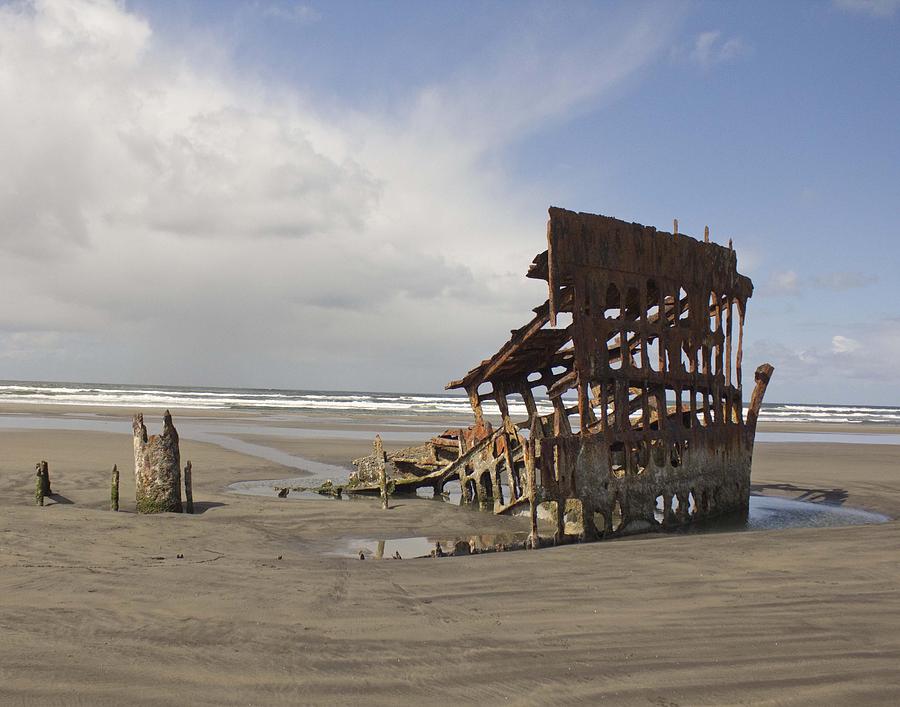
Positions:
{"x": 296, "y": 12}
{"x": 533, "y": 81}
{"x": 106, "y": 137}
{"x": 788, "y": 282}
{"x": 170, "y": 222}
{"x": 843, "y": 344}
{"x": 783, "y": 283}
{"x": 843, "y": 280}
{"x": 873, "y": 8}
{"x": 710, "y": 48}
{"x": 870, "y": 356}
{"x": 26, "y": 344}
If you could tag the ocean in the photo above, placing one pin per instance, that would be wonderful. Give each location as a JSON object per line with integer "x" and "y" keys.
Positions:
{"x": 174, "y": 397}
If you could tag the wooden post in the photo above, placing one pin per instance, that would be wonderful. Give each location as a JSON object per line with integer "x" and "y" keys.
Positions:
{"x": 382, "y": 481}
{"x": 39, "y": 487}
{"x": 157, "y": 468}
{"x": 44, "y": 472}
{"x": 114, "y": 489}
{"x": 188, "y": 488}
{"x": 380, "y": 459}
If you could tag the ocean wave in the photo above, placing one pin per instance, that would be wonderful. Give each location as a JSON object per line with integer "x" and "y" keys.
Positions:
{"x": 351, "y": 401}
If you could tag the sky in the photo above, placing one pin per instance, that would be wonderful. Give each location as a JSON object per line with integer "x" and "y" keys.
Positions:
{"x": 347, "y": 195}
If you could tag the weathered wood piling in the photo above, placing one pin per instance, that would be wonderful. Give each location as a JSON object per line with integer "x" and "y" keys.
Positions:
{"x": 38, "y": 488}
{"x": 157, "y": 468}
{"x": 44, "y": 472}
{"x": 114, "y": 489}
{"x": 41, "y": 482}
{"x": 188, "y": 488}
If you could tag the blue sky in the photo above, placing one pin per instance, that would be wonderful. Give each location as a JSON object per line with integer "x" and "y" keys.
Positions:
{"x": 325, "y": 194}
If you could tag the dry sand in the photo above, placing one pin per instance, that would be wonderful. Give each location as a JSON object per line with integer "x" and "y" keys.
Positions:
{"x": 95, "y": 607}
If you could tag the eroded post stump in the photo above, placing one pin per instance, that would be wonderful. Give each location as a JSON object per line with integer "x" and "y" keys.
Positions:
{"x": 114, "y": 489}
{"x": 38, "y": 487}
{"x": 43, "y": 470}
{"x": 189, "y": 489}
{"x": 157, "y": 468}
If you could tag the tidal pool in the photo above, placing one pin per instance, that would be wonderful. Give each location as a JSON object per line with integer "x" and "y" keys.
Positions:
{"x": 766, "y": 513}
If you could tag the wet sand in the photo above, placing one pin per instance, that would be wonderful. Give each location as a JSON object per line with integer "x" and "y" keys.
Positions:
{"x": 96, "y": 608}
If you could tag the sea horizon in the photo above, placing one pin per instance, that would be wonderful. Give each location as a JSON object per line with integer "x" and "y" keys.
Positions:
{"x": 310, "y": 400}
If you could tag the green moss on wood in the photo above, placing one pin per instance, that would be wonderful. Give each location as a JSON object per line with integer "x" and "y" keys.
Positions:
{"x": 150, "y": 505}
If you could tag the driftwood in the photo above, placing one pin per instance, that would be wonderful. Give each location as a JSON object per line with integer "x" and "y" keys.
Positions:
{"x": 157, "y": 468}
{"x": 114, "y": 489}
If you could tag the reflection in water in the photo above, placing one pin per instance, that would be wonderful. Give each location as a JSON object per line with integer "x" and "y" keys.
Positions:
{"x": 772, "y": 513}
{"x": 422, "y": 546}
{"x": 766, "y": 513}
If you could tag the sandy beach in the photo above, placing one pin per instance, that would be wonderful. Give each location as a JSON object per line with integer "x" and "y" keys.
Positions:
{"x": 97, "y": 608}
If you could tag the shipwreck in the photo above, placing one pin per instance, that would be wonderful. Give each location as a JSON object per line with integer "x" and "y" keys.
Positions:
{"x": 631, "y": 377}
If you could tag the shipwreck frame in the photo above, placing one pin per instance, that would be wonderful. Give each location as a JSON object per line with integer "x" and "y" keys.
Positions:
{"x": 644, "y": 329}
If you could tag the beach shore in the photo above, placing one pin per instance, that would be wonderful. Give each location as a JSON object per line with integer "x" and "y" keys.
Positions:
{"x": 97, "y": 608}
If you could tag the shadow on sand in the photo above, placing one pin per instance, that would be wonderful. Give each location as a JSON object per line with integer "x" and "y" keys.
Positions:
{"x": 203, "y": 506}
{"x": 832, "y": 497}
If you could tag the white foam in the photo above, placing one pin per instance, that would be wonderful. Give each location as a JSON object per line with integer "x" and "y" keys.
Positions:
{"x": 387, "y": 402}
